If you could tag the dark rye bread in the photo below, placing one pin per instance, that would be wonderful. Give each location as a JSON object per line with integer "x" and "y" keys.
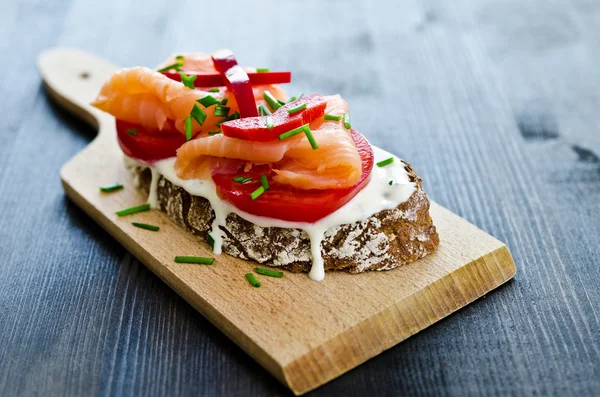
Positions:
{"x": 386, "y": 240}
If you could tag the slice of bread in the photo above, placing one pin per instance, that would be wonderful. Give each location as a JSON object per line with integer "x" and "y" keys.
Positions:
{"x": 386, "y": 240}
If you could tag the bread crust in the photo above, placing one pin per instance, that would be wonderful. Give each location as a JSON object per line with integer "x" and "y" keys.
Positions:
{"x": 386, "y": 240}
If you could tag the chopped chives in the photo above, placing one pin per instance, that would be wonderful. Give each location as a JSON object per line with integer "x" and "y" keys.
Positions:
{"x": 175, "y": 66}
{"x": 111, "y": 188}
{"x": 293, "y": 132}
{"x": 297, "y": 109}
{"x": 179, "y": 57}
{"x": 385, "y": 162}
{"x": 215, "y": 89}
{"x": 311, "y": 138}
{"x": 233, "y": 116}
{"x": 264, "y": 111}
{"x": 188, "y": 81}
{"x": 241, "y": 179}
{"x": 252, "y": 280}
{"x": 267, "y": 272}
{"x": 195, "y": 259}
{"x": 281, "y": 102}
{"x": 146, "y": 226}
{"x": 271, "y": 101}
{"x": 133, "y": 210}
{"x": 198, "y": 114}
{"x": 332, "y": 117}
{"x": 256, "y": 194}
{"x": 188, "y": 128}
{"x": 132, "y": 131}
{"x": 263, "y": 70}
{"x": 211, "y": 240}
{"x": 221, "y": 111}
{"x": 264, "y": 182}
{"x": 391, "y": 183}
{"x": 269, "y": 122}
{"x": 208, "y": 101}
{"x": 292, "y": 99}
{"x": 214, "y": 132}
{"x": 224, "y": 101}
{"x": 347, "y": 120}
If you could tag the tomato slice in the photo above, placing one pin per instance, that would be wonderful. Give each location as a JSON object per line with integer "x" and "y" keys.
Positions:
{"x": 255, "y": 128}
{"x": 147, "y": 146}
{"x": 286, "y": 202}
{"x": 217, "y": 80}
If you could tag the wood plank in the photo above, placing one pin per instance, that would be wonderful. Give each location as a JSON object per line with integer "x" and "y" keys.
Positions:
{"x": 289, "y": 336}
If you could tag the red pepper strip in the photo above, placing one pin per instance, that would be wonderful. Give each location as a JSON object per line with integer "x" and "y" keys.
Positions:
{"x": 216, "y": 80}
{"x": 255, "y": 128}
{"x": 237, "y": 81}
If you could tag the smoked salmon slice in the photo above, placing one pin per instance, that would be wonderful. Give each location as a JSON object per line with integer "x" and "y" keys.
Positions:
{"x": 335, "y": 164}
{"x": 148, "y": 98}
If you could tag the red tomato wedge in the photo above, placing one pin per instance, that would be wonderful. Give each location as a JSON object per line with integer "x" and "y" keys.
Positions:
{"x": 216, "y": 79}
{"x": 140, "y": 144}
{"x": 255, "y": 128}
{"x": 237, "y": 81}
{"x": 286, "y": 202}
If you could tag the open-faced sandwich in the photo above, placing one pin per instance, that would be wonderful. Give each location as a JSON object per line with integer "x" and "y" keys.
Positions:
{"x": 281, "y": 181}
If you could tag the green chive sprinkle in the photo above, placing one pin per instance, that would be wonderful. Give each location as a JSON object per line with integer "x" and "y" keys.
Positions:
{"x": 256, "y": 194}
{"x": 271, "y": 101}
{"x": 297, "y": 109}
{"x": 198, "y": 114}
{"x": 385, "y": 162}
{"x": 194, "y": 259}
{"x": 347, "y": 120}
{"x": 332, "y": 117}
{"x": 146, "y": 226}
{"x": 263, "y": 70}
{"x": 311, "y": 138}
{"x": 264, "y": 111}
{"x": 208, "y": 101}
{"x": 252, "y": 280}
{"x": 293, "y": 132}
{"x": 264, "y": 182}
{"x": 224, "y": 101}
{"x": 292, "y": 99}
{"x": 391, "y": 183}
{"x": 132, "y": 132}
{"x": 188, "y": 81}
{"x": 179, "y": 57}
{"x": 177, "y": 65}
{"x": 233, "y": 116}
{"x": 222, "y": 111}
{"x": 188, "y": 128}
{"x": 267, "y": 272}
{"x": 214, "y": 90}
{"x": 211, "y": 240}
{"x": 269, "y": 122}
{"x": 111, "y": 188}
{"x": 214, "y": 132}
{"x": 133, "y": 210}
{"x": 281, "y": 102}
{"x": 241, "y": 179}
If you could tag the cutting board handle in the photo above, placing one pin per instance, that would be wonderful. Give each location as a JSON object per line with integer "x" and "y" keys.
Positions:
{"x": 73, "y": 79}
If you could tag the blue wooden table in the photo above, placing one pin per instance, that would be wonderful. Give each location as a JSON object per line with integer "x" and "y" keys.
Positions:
{"x": 495, "y": 103}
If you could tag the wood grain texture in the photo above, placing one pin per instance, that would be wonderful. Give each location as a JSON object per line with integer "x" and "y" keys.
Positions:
{"x": 495, "y": 103}
{"x": 312, "y": 332}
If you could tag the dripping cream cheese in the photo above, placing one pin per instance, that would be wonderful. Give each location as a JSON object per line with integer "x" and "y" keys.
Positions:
{"x": 388, "y": 187}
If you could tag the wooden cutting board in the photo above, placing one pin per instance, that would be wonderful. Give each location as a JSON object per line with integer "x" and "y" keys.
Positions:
{"x": 303, "y": 332}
